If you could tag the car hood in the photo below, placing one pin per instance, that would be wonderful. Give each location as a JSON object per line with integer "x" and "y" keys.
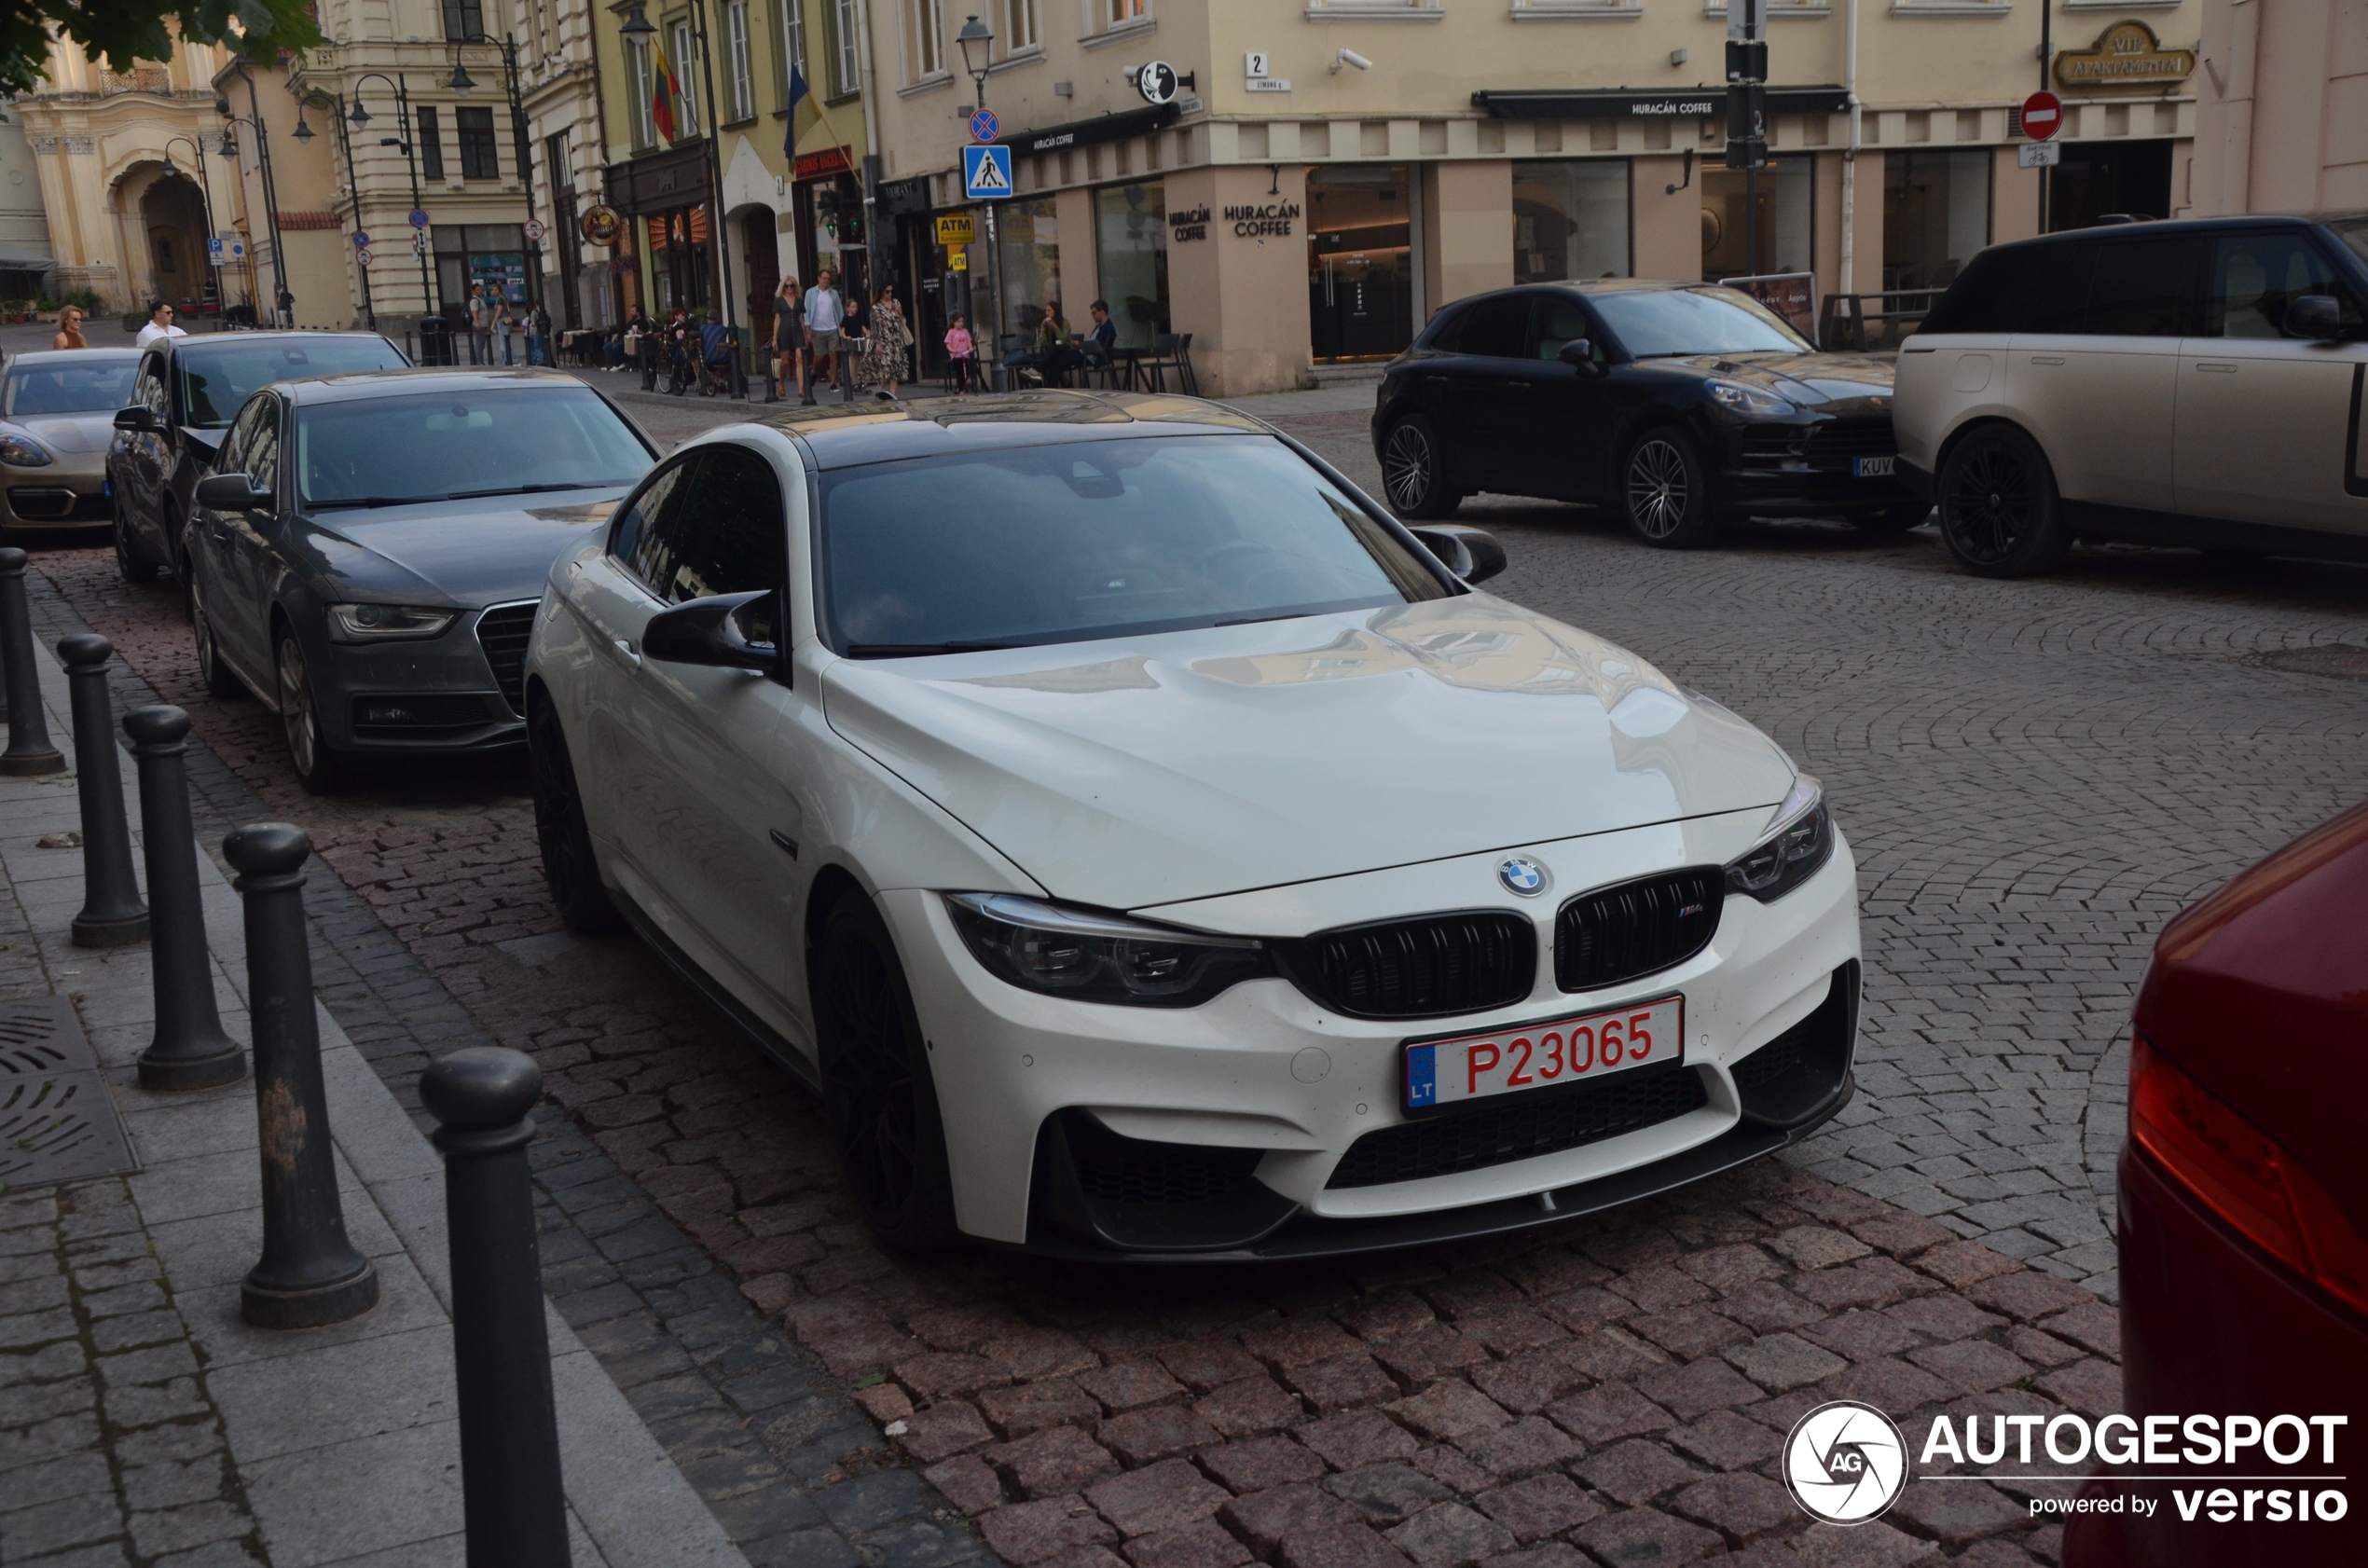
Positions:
{"x": 1147, "y": 770}
{"x": 1827, "y": 382}
{"x": 68, "y": 435}
{"x": 464, "y": 553}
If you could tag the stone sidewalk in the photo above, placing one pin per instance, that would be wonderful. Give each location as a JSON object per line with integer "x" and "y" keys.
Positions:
{"x": 140, "y": 1421}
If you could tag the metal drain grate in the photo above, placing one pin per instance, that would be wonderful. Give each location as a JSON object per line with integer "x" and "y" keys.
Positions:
{"x": 57, "y": 1123}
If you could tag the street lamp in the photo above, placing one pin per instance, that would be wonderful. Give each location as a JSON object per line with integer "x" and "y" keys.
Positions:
{"x": 636, "y": 29}
{"x": 354, "y": 190}
{"x": 205, "y": 198}
{"x": 978, "y": 52}
{"x": 977, "y": 41}
{"x": 461, "y": 83}
{"x": 253, "y": 117}
{"x": 405, "y": 141}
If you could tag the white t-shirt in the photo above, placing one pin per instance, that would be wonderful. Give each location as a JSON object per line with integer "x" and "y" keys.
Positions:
{"x": 151, "y": 332}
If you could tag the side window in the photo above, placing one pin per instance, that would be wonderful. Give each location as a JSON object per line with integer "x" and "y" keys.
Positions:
{"x": 231, "y": 457}
{"x": 1561, "y": 319}
{"x": 261, "y": 459}
{"x": 2255, "y": 277}
{"x": 2057, "y": 299}
{"x": 1495, "y": 326}
{"x": 2143, "y": 287}
{"x": 149, "y": 387}
{"x": 726, "y": 535}
{"x": 631, "y": 532}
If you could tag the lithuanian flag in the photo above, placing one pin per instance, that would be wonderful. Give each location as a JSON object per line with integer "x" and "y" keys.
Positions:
{"x": 662, "y": 89}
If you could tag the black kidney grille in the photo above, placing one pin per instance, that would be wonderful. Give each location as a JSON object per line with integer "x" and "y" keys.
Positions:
{"x": 1521, "y": 1127}
{"x": 503, "y": 632}
{"x": 1112, "y": 1168}
{"x": 1421, "y": 968}
{"x": 1618, "y": 933}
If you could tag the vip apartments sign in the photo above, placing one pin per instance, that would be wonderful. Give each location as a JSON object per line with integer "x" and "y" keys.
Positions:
{"x": 2127, "y": 54}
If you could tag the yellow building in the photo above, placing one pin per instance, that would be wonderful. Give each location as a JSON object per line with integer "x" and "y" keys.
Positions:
{"x": 1329, "y": 174}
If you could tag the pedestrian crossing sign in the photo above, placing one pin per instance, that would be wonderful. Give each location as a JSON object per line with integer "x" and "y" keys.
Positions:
{"x": 986, "y": 173}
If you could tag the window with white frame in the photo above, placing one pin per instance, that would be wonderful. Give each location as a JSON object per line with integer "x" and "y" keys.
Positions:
{"x": 685, "y": 64}
{"x": 847, "y": 65}
{"x": 736, "y": 37}
{"x": 1021, "y": 28}
{"x": 792, "y": 47}
{"x": 1118, "y": 13}
{"x": 924, "y": 40}
{"x": 645, "y": 130}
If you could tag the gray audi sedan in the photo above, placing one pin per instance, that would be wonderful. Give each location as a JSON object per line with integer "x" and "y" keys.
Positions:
{"x": 368, "y": 550}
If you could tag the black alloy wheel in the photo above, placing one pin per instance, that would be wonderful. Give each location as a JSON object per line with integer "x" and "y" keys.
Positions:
{"x": 1891, "y": 520}
{"x": 220, "y": 681}
{"x": 1999, "y": 514}
{"x": 570, "y": 867}
{"x": 876, "y": 1084}
{"x": 1412, "y": 480}
{"x": 127, "y": 559}
{"x": 1666, "y": 491}
{"x": 318, "y": 768}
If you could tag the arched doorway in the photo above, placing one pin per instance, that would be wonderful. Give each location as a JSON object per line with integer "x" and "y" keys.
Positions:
{"x": 168, "y": 236}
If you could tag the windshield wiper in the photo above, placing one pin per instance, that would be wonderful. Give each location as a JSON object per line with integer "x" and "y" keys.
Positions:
{"x": 532, "y": 490}
{"x": 919, "y": 649}
{"x": 373, "y": 501}
{"x": 1254, "y": 620}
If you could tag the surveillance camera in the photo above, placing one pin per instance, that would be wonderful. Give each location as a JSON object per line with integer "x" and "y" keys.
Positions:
{"x": 1350, "y": 57}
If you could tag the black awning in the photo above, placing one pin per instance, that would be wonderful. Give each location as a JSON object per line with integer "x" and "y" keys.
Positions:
{"x": 1088, "y": 132}
{"x": 1693, "y": 102}
{"x": 658, "y": 182}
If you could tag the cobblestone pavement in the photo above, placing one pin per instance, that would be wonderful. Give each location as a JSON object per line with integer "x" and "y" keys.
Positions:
{"x": 2034, "y": 776}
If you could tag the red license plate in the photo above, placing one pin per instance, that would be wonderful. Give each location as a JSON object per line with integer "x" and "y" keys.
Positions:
{"x": 1510, "y": 1061}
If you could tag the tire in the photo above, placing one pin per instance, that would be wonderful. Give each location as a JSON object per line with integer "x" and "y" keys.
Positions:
{"x": 1999, "y": 511}
{"x": 318, "y": 767}
{"x": 571, "y": 868}
{"x": 1665, "y": 491}
{"x": 876, "y": 1084}
{"x": 126, "y": 560}
{"x": 1891, "y": 520}
{"x": 219, "y": 680}
{"x": 1413, "y": 479}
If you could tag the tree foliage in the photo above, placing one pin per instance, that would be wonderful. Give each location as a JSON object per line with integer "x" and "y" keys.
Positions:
{"x": 124, "y": 32}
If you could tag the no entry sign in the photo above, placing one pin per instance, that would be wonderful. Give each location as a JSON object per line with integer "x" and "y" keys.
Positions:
{"x": 2043, "y": 115}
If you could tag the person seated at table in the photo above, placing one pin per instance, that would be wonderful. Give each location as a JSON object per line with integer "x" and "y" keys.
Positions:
{"x": 1056, "y": 354}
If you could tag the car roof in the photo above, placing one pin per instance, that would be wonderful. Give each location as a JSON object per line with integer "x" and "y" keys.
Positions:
{"x": 191, "y": 342}
{"x": 347, "y": 386}
{"x": 2151, "y": 227}
{"x": 845, "y": 434}
{"x": 74, "y": 356}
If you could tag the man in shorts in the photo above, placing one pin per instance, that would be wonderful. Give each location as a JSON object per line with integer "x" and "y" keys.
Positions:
{"x": 825, "y": 314}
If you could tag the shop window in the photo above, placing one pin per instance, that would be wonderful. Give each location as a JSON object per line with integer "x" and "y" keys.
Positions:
{"x": 1028, "y": 237}
{"x": 1936, "y": 216}
{"x": 1360, "y": 270}
{"x": 1570, "y": 220}
{"x": 1786, "y": 191}
{"x": 480, "y": 159}
{"x": 1022, "y": 28}
{"x": 431, "y": 144}
{"x": 1130, "y": 243}
{"x": 736, "y": 39}
{"x": 464, "y": 18}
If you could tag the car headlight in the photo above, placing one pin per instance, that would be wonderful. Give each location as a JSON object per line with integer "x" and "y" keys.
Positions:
{"x": 20, "y": 451}
{"x": 1794, "y": 849}
{"x": 1088, "y": 956}
{"x": 385, "y": 623}
{"x": 1743, "y": 399}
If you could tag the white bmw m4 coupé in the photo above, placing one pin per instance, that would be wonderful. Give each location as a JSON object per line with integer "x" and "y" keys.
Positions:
{"x": 1149, "y": 849}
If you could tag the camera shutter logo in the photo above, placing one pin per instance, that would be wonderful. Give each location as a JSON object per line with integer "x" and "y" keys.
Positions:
{"x": 1845, "y": 1462}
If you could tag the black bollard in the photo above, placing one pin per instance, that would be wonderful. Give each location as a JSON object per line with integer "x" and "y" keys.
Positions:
{"x": 190, "y": 1049}
{"x": 112, "y": 914}
{"x": 516, "y": 1512}
{"x": 28, "y": 749}
{"x": 310, "y": 1274}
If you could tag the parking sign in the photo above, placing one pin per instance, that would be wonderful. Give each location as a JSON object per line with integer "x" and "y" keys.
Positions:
{"x": 987, "y": 173}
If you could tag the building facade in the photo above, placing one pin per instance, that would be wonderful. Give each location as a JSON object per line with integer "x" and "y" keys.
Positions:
{"x": 2281, "y": 110}
{"x": 1330, "y": 174}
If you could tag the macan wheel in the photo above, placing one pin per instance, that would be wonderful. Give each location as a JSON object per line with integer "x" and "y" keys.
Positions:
{"x": 1999, "y": 511}
{"x": 1891, "y": 520}
{"x": 219, "y": 680}
{"x": 1666, "y": 491}
{"x": 876, "y": 1084}
{"x": 563, "y": 833}
{"x": 1413, "y": 479}
{"x": 318, "y": 768}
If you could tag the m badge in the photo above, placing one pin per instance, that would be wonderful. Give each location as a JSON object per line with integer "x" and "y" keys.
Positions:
{"x": 986, "y": 173}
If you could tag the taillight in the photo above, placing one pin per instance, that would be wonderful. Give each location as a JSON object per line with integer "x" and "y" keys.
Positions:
{"x": 2243, "y": 1176}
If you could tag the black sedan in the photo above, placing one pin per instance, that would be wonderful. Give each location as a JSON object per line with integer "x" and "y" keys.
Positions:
{"x": 369, "y": 551}
{"x": 183, "y": 396}
{"x": 1683, "y": 405}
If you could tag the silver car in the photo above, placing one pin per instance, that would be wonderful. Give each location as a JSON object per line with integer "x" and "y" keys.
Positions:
{"x": 56, "y": 421}
{"x": 2193, "y": 383}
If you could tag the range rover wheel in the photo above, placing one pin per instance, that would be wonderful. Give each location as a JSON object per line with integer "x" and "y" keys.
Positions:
{"x": 1999, "y": 511}
{"x": 318, "y": 768}
{"x": 560, "y": 830}
{"x": 1413, "y": 478}
{"x": 876, "y": 1084}
{"x": 1666, "y": 491}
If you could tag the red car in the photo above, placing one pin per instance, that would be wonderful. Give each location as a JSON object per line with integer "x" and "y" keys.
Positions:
{"x": 2244, "y": 1200}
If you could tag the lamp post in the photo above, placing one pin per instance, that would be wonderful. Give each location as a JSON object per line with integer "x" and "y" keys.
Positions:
{"x": 977, "y": 41}
{"x": 205, "y": 200}
{"x": 354, "y": 190}
{"x": 359, "y": 116}
{"x": 637, "y": 29}
{"x": 461, "y": 84}
{"x": 270, "y": 194}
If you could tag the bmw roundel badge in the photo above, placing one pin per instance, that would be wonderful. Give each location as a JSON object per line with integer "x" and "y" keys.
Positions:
{"x": 1523, "y": 875}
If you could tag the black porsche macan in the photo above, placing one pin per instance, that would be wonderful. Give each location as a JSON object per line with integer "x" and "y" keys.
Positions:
{"x": 1682, "y": 405}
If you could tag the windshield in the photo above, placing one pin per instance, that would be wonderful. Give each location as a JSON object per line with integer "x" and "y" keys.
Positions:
{"x": 2353, "y": 233}
{"x": 85, "y": 386}
{"x": 1090, "y": 539}
{"x": 382, "y": 451}
{"x": 215, "y": 381}
{"x": 1657, "y": 323}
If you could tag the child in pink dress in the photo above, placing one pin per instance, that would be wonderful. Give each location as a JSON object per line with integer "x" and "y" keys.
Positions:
{"x": 963, "y": 352}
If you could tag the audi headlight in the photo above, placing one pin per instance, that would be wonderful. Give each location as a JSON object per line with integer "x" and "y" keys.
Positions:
{"x": 385, "y": 623}
{"x": 1089, "y": 956}
{"x": 1796, "y": 848}
{"x": 22, "y": 451}
{"x": 1740, "y": 398}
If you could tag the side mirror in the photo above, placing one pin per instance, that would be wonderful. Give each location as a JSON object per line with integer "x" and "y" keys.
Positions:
{"x": 232, "y": 492}
{"x": 137, "y": 416}
{"x": 2315, "y": 316}
{"x": 1471, "y": 554}
{"x": 1579, "y": 354}
{"x": 729, "y": 631}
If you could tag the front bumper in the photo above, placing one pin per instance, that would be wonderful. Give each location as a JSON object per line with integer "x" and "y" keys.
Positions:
{"x": 435, "y": 697}
{"x": 70, "y": 493}
{"x": 1237, "y": 1115}
{"x": 1778, "y": 468}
